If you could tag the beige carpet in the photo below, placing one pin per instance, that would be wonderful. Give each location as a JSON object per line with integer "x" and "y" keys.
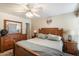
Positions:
{"x": 10, "y": 53}
{"x": 7, "y": 53}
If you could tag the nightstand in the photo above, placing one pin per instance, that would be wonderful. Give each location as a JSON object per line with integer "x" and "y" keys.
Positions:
{"x": 70, "y": 47}
{"x": 35, "y": 35}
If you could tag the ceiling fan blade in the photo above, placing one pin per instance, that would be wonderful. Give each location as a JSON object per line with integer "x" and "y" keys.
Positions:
{"x": 24, "y": 5}
{"x": 29, "y": 14}
{"x": 35, "y": 14}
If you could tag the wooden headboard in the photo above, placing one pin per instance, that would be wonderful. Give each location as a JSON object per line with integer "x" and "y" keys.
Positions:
{"x": 55, "y": 31}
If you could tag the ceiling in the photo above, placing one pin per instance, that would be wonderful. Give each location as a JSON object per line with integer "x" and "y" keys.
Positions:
{"x": 48, "y": 9}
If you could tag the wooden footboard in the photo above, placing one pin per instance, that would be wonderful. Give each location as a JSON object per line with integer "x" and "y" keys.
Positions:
{"x": 20, "y": 51}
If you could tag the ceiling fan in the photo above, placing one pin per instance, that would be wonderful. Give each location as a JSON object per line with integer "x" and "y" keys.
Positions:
{"x": 32, "y": 10}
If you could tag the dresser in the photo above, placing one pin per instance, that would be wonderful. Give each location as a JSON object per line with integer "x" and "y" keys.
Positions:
{"x": 7, "y": 42}
{"x": 70, "y": 47}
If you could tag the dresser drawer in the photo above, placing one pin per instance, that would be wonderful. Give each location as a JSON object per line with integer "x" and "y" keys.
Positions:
{"x": 7, "y": 44}
{"x": 70, "y": 47}
{"x": 23, "y": 37}
{"x": 71, "y": 51}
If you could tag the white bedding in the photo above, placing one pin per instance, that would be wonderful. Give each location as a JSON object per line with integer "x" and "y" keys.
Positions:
{"x": 44, "y": 42}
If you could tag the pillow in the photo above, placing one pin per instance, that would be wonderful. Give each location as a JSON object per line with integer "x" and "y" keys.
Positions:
{"x": 42, "y": 36}
{"x": 54, "y": 37}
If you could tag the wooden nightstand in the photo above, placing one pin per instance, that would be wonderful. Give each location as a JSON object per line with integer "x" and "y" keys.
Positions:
{"x": 70, "y": 47}
{"x": 35, "y": 35}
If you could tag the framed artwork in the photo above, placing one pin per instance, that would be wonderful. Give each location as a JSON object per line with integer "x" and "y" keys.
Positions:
{"x": 49, "y": 21}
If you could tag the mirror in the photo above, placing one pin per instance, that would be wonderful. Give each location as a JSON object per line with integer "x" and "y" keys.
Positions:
{"x": 13, "y": 26}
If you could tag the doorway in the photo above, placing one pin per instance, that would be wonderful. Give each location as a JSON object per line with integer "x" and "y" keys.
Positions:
{"x": 28, "y": 30}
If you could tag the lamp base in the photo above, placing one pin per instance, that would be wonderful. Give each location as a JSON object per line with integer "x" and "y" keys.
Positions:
{"x": 34, "y": 35}
{"x": 69, "y": 40}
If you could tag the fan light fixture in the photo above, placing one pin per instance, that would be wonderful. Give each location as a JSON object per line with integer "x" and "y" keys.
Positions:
{"x": 33, "y": 10}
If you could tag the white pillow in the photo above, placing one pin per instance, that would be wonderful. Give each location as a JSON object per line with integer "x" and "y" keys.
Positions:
{"x": 42, "y": 36}
{"x": 54, "y": 37}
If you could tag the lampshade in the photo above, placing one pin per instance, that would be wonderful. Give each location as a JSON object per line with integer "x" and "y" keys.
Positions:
{"x": 35, "y": 31}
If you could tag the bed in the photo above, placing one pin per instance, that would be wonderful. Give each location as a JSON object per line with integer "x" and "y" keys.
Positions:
{"x": 41, "y": 47}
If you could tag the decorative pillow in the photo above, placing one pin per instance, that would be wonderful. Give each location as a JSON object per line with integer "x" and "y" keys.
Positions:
{"x": 54, "y": 37}
{"x": 42, "y": 36}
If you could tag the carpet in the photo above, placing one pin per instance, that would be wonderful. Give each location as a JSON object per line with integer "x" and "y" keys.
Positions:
{"x": 10, "y": 53}
{"x": 7, "y": 53}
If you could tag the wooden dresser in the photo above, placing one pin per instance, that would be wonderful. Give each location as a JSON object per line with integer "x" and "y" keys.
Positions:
{"x": 7, "y": 42}
{"x": 70, "y": 47}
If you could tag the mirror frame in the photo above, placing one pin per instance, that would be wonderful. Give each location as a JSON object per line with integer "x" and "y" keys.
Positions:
{"x": 5, "y": 22}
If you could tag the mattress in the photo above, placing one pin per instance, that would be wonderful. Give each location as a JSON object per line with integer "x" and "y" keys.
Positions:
{"x": 58, "y": 45}
{"x": 41, "y": 49}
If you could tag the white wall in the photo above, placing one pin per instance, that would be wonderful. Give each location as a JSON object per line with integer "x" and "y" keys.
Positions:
{"x": 7, "y": 16}
{"x": 66, "y": 21}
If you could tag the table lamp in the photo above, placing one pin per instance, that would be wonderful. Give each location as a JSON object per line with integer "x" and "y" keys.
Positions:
{"x": 35, "y": 32}
{"x": 71, "y": 33}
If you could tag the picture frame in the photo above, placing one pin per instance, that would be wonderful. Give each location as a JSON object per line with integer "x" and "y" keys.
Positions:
{"x": 49, "y": 20}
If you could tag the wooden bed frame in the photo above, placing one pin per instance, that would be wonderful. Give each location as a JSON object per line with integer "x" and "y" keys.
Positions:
{"x": 21, "y": 51}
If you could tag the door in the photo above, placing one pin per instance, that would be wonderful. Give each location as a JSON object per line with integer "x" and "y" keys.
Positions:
{"x": 28, "y": 30}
